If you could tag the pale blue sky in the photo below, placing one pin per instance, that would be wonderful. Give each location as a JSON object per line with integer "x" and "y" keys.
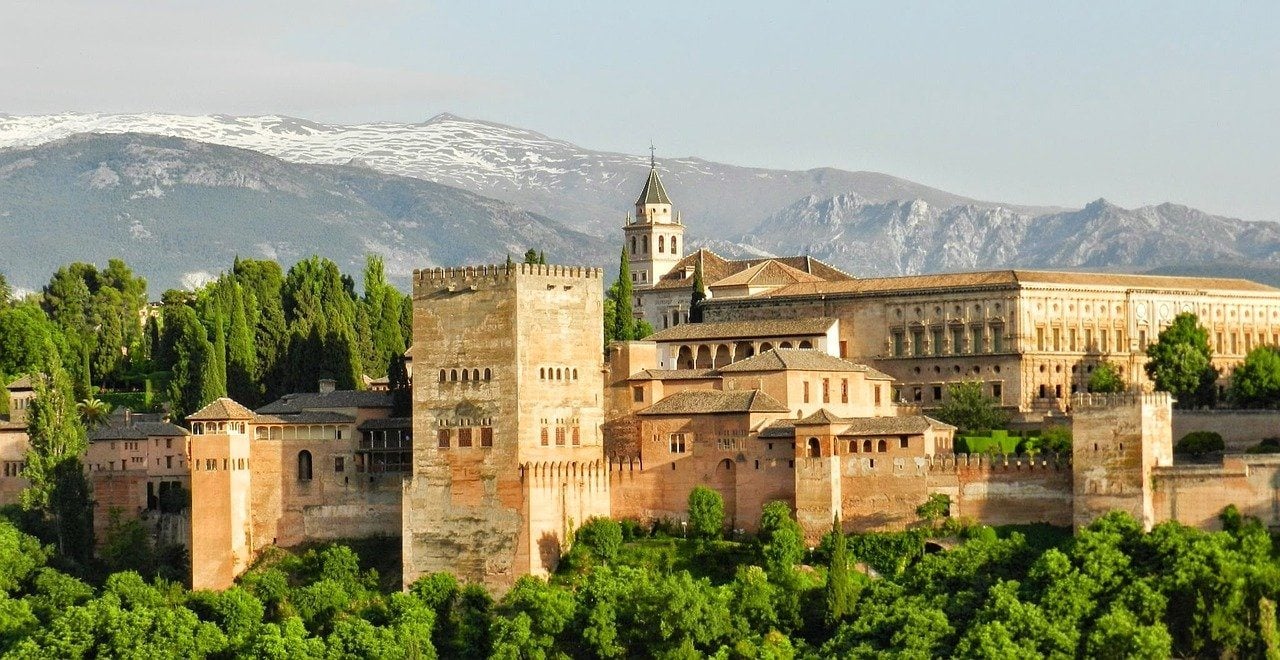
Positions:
{"x": 1027, "y": 102}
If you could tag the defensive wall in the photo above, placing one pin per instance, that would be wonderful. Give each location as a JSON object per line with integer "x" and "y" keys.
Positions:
{"x": 1240, "y": 429}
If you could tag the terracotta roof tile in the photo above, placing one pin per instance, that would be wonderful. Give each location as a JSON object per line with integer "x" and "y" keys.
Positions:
{"x": 305, "y": 417}
{"x": 221, "y": 409}
{"x": 300, "y": 401}
{"x": 792, "y": 359}
{"x": 675, "y": 374}
{"x": 716, "y": 268}
{"x": 767, "y": 273}
{"x": 715, "y": 401}
{"x": 782, "y": 327}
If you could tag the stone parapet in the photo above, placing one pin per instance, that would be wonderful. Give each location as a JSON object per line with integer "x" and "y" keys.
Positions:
{"x": 947, "y": 463}
{"x": 436, "y": 277}
{"x": 1092, "y": 401}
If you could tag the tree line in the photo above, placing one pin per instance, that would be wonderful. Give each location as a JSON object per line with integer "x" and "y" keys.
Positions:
{"x": 626, "y": 590}
{"x": 253, "y": 333}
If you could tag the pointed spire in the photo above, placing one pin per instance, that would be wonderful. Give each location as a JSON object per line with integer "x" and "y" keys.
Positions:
{"x": 653, "y": 192}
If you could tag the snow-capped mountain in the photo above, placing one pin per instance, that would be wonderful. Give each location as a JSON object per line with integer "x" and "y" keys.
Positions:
{"x": 907, "y": 237}
{"x": 179, "y": 210}
{"x": 588, "y": 190}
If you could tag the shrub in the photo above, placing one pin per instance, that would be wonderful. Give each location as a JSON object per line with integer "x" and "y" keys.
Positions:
{"x": 602, "y": 536}
{"x": 631, "y": 529}
{"x": 1198, "y": 443}
{"x": 706, "y": 513}
{"x": 1266, "y": 446}
{"x": 1056, "y": 438}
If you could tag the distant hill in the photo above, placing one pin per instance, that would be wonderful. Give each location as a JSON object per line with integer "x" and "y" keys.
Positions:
{"x": 586, "y": 189}
{"x": 905, "y": 237}
{"x": 180, "y": 210}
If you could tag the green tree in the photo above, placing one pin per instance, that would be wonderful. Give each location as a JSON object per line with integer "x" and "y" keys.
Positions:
{"x": 1256, "y": 382}
{"x": 93, "y": 412}
{"x": 6, "y": 291}
{"x": 840, "y": 593}
{"x": 935, "y": 508}
{"x": 531, "y": 256}
{"x": 127, "y": 545}
{"x": 56, "y": 439}
{"x": 706, "y": 513}
{"x": 1180, "y": 362}
{"x": 699, "y": 294}
{"x": 968, "y": 409}
{"x": 242, "y": 358}
{"x": 1106, "y": 379}
{"x": 781, "y": 538}
{"x": 1055, "y": 438}
{"x": 602, "y": 536}
{"x": 27, "y": 335}
{"x": 624, "y": 328}
{"x": 194, "y": 380}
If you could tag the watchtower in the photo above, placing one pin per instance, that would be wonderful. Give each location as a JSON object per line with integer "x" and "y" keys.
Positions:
{"x": 507, "y": 386}
{"x": 1116, "y": 441}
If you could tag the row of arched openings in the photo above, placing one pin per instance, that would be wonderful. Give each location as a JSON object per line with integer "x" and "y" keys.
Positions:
{"x": 557, "y": 373}
{"x": 662, "y": 243}
{"x": 452, "y": 375}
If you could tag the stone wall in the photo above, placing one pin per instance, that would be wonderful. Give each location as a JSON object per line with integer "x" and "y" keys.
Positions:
{"x": 1240, "y": 429}
{"x": 220, "y": 545}
{"x": 1117, "y": 439}
{"x": 1195, "y": 494}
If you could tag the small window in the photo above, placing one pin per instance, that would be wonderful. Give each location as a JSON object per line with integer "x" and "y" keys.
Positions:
{"x": 546, "y": 437}
{"x": 488, "y": 374}
{"x": 559, "y": 436}
{"x": 339, "y": 463}
{"x": 937, "y": 392}
{"x": 826, "y": 390}
{"x": 464, "y": 437}
{"x": 677, "y": 443}
{"x": 877, "y": 394}
{"x": 443, "y": 376}
{"x": 442, "y": 438}
{"x": 577, "y": 437}
{"x": 806, "y": 391}
{"x": 882, "y": 446}
{"x": 304, "y": 465}
{"x": 815, "y": 448}
{"x": 637, "y": 394}
{"x": 486, "y": 436}
{"x": 903, "y": 442}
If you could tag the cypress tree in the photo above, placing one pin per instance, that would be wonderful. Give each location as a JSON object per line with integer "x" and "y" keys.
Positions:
{"x": 839, "y": 591}
{"x": 56, "y": 442}
{"x": 542, "y": 258}
{"x": 624, "y": 328}
{"x": 217, "y": 374}
{"x": 699, "y": 294}
{"x": 241, "y": 360}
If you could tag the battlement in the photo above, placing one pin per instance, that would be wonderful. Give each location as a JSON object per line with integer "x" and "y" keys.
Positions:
{"x": 1115, "y": 400}
{"x": 953, "y": 463}
{"x": 557, "y": 471}
{"x": 455, "y": 275}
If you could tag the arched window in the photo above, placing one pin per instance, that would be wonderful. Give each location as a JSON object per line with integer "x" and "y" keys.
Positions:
{"x": 443, "y": 376}
{"x": 726, "y": 464}
{"x": 662, "y": 244}
{"x": 542, "y": 374}
{"x": 575, "y": 374}
{"x": 475, "y": 374}
{"x": 815, "y": 448}
{"x": 853, "y": 446}
{"x": 488, "y": 375}
{"x": 559, "y": 376}
{"x": 465, "y": 376}
{"x": 866, "y": 446}
{"x": 882, "y": 446}
{"x": 304, "y": 465}
{"x": 633, "y": 245}
{"x": 806, "y": 344}
{"x": 453, "y": 375}
{"x": 644, "y": 244}
{"x": 673, "y": 245}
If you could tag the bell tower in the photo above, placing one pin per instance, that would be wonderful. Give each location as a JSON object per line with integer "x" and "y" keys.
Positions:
{"x": 654, "y": 236}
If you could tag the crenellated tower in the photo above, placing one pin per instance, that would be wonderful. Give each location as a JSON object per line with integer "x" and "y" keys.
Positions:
{"x": 654, "y": 236}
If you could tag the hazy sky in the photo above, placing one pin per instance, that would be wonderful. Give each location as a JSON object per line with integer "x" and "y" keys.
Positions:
{"x": 1029, "y": 102}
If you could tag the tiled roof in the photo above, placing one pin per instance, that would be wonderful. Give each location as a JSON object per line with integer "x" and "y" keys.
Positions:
{"x": 822, "y": 416}
{"x": 298, "y": 402}
{"x": 117, "y": 429}
{"x": 802, "y": 327}
{"x": 674, "y": 374}
{"x": 767, "y": 273}
{"x": 387, "y": 423}
{"x": 305, "y": 417}
{"x": 716, "y": 268}
{"x": 906, "y": 424}
{"x": 653, "y": 192}
{"x": 1013, "y": 279}
{"x": 793, "y": 359}
{"x": 23, "y": 383}
{"x": 714, "y": 401}
{"x": 221, "y": 409}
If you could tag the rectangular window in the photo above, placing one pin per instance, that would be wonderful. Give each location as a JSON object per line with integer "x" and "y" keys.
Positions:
{"x": 577, "y": 436}
{"x": 978, "y": 343}
{"x": 844, "y": 348}
{"x": 1120, "y": 342}
{"x": 637, "y": 394}
{"x": 546, "y": 437}
{"x": 1039, "y": 339}
{"x": 168, "y": 462}
{"x": 806, "y": 391}
{"x": 1088, "y": 339}
{"x": 1103, "y": 341}
{"x": 559, "y": 436}
{"x": 877, "y": 391}
{"x": 996, "y": 391}
{"x": 902, "y": 444}
{"x": 1071, "y": 340}
{"x": 917, "y": 394}
{"x": 464, "y": 437}
{"x": 917, "y": 343}
{"x": 486, "y": 436}
{"x": 1235, "y": 345}
{"x": 997, "y": 339}
{"x": 339, "y": 463}
{"x": 826, "y": 390}
{"x": 937, "y": 341}
{"x": 937, "y": 392}
{"x": 442, "y": 438}
{"x": 676, "y": 443}
{"x": 844, "y": 390}
{"x": 1057, "y": 339}
{"x": 897, "y": 344}
{"x": 1142, "y": 340}
{"x": 957, "y": 341}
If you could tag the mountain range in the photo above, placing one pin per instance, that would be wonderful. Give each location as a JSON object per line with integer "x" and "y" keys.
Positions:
{"x": 453, "y": 190}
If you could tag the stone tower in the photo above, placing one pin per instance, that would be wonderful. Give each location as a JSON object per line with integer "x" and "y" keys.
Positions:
{"x": 1116, "y": 441}
{"x": 222, "y": 541}
{"x": 654, "y": 237}
{"x": 507, "y": 387}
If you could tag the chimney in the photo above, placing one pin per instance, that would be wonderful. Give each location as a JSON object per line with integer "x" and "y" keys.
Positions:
{"x": 328, "y": 385}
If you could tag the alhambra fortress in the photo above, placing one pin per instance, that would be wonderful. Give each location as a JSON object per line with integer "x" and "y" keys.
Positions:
{"x": 802, "y": 383}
